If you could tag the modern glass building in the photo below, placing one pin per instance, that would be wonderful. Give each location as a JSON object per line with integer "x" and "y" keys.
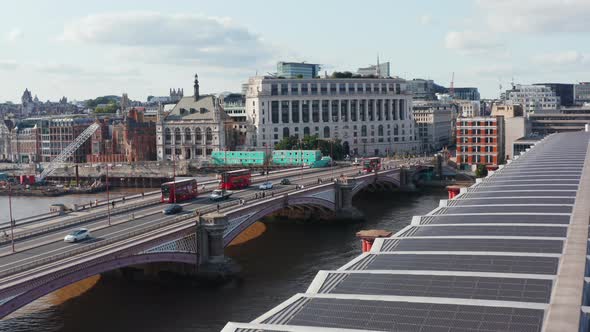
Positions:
{"x": 466, "y": 93}
{"x": 297, "y": 70}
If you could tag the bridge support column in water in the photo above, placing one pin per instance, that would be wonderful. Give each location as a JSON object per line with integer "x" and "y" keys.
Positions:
{"x": 213, "y": 265}
{"x": 343, "y": 199}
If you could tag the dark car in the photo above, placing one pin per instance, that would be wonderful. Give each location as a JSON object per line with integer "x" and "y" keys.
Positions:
{"x": 172, "y": 209}
{"x": 285, "y": 181}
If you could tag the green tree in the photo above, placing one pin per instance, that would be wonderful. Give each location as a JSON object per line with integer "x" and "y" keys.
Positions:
{"x": 345, "y": 74}
{"x": 481, "y": 171}
{"x": 111, "y": 107}
{"x": 287, "y": 143}
{"x": 332, "y": 148}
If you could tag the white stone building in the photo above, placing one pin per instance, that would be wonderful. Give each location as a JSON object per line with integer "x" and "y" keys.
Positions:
{"x": 193, "y": 129}
{"x": 469, "y": 108}
{"x": 434, "y": 124}
{"x": 534, "y": 98}
{"x": 370, "y": 116}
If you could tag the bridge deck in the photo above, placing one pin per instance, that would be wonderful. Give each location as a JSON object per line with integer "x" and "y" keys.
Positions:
{"x": 507, "y": 254}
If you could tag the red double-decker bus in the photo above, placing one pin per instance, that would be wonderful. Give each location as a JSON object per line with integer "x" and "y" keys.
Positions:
{"x": 371, "y": 164}
{"x": 181, "y": 190}
{"x": 235, "y": 179}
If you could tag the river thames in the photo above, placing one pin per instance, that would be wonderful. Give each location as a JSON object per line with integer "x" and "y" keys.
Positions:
{"x": 282, "y": 259}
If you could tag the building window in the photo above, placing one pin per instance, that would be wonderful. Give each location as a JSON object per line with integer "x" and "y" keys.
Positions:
{"x": 284, "y": 89}
{"x": 363, "y": 131}
{"x": 305, "y": 111}
{"x": 188, "y": 137}
{"x": 315, "y": 111}
{"x": 285, "y": 111}
{"x": 285, "y": 132}
{"x": 274, "y": 111}
{"x": 274, "y": 90}
{"x": 326, "y": 132}
{"x": 306, "y": 131}
{"x": 208, "y": 135}
{"x": 295, "y": 111}
{"x": 304, "y": 89}
{"x": 324, "y": 88}
{"x": 380, "y": 130}
{"x": 177, "y": 136}
{"x": 167, "y": 136}
{"x": 334, "y": 110}
{"x": 294, "y": 89}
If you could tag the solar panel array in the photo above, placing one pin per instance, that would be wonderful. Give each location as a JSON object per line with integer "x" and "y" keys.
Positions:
{"x": 486, "y": 260}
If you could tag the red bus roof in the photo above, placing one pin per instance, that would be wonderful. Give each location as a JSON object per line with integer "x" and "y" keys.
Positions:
{"x": 179, "y": 181}
{"x": 239, "y": 171}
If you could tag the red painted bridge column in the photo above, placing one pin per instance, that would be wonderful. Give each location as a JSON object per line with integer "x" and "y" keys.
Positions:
{"x": 368, "y": 237}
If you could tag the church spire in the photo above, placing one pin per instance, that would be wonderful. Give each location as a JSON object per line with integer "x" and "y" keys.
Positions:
{"x": 196, "y": 86}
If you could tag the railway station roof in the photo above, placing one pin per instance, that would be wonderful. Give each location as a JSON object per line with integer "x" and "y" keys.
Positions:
{"x": 507, "y": 254}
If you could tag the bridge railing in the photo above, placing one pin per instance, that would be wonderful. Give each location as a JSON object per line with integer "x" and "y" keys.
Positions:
{"x": 177, "y": 219}
{"x": 95, "y": 245}
{"x": 76, "y": 221}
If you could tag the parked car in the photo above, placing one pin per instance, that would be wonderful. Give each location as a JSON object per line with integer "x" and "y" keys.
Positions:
{"x": 220, "y": 195}
{"x": 285, "y": 181}
{"x": 172, "y": 209}
{"x": 77, "y": 235}
{"x": 265, "y": 186}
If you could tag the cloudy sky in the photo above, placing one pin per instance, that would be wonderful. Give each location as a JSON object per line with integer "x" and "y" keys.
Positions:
{"x": 83, "y": 50}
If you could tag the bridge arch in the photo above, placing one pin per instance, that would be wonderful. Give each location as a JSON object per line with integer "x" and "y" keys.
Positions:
{"x": 272, "y": 207}
{"x": 43, "y": 288}
{"x": 380, "y": 180}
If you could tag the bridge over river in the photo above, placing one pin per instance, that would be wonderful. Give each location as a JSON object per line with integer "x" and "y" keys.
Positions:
{"x": 139, "y": 235}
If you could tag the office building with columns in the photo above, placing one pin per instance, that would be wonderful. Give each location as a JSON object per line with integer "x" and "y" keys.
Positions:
{"x": 371, "y": 116}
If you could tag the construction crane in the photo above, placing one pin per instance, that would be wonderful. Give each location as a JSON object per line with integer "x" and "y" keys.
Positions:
{"x": 68, "y": 151}
{"x": 452, "y": 85}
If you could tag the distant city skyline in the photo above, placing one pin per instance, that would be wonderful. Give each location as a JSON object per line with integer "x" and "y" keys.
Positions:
{"x": 65, "y": 48}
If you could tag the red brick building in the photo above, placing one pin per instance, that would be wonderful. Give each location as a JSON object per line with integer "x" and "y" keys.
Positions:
{"x": 130, "y": 140}
{"x": 480, "y": 140}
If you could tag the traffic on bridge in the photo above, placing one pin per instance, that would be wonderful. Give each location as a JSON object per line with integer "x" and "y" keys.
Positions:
{"x": 135, "y": 231}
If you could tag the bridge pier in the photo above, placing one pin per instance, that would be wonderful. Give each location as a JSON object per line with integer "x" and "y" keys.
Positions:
{"x": 405, "y": 180}
{"x": 212, "y": 263}
{"x": 343, "y": 200}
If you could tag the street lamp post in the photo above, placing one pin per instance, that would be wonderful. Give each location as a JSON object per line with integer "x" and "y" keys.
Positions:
{"x": 108, "y": 196}
{"x": 267, "y": 159}
{"x": 301, "y": 155}
{"x": 174, "y": 174}
{"x": 10, "y": 216}
{"x": 332, "y": 156}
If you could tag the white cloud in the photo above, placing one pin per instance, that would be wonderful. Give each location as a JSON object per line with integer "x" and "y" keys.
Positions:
{"x": 425, "y": 19}
{"x": 537, "y": 16}
{"x": 8, "y": 64}
{"x": 69, "y": 70}
{"x": 14, "y": 35}
{"x": 561, "y": 58}
{"x": 471, "y": 41}
{"x": 171, "y": 38}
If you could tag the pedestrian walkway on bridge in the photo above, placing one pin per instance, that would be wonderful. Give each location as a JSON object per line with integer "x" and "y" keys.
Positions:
{"x": 507, "y": 254}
